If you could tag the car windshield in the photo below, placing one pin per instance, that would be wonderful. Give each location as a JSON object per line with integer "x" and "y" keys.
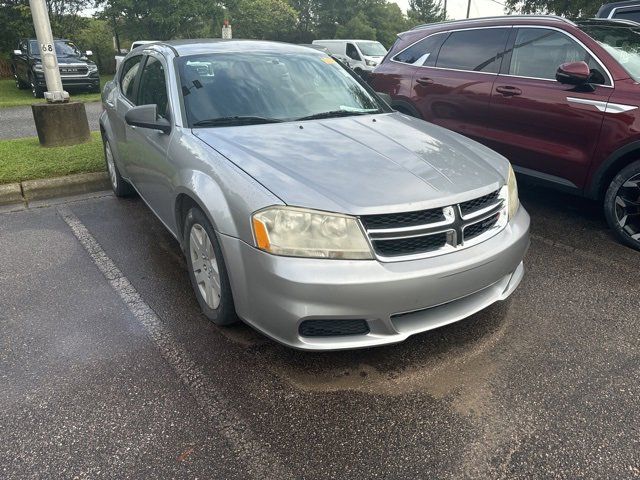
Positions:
{"x": 241, "y": 88}
{"x": 62, "y": 48}
{"x": 372, "y": 49}
{"x": 623, "y": 43}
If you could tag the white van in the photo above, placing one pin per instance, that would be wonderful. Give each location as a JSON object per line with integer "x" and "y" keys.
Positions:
{"x": 361, "y": 55}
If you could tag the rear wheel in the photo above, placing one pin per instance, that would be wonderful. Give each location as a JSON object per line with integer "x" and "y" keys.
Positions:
{"x": 207, "y": 270}
{"x": 120, "y": 187}
{"x": 622, "y": 205}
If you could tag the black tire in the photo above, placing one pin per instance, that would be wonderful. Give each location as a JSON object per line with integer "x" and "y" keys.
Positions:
{"x": 622, "y": 205}
{"x": 120, "y": 187}
{"x": 36, "y": 90}
{"x": 20, "y": 84}
{"x": 224, "y": 313}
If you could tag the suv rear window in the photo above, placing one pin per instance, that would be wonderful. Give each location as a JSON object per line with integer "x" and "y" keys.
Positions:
{"x": 423, "y": 52}
{"x": 475, "y": 50}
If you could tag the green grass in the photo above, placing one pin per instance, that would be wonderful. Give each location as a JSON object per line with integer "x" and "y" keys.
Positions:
{"x": 11, "y": 96}
{"x": 24, "y": 159}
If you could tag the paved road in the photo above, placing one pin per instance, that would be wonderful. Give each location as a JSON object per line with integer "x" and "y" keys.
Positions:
{"x": 17, "y": 122}
{"x": 107, "y": 370}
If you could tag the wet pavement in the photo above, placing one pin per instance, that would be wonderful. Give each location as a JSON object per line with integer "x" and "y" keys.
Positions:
{"x": 107, "y": 369}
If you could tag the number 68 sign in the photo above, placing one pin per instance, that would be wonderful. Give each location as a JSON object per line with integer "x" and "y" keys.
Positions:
{"x": 46, "y": 47}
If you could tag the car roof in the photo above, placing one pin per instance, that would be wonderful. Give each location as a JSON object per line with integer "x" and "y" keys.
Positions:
{"x": 218, "y": 45}
{"x": 605, "y": 10}
{"x": 497, "y": 20}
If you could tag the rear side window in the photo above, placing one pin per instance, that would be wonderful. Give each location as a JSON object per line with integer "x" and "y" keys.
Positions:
{"x": 127, "y": 80}
{"x": 538, "y": 52}
{"x": 477, "y": 50}
{"x": 424, "y": 52}
{"x": 628, "y": 14}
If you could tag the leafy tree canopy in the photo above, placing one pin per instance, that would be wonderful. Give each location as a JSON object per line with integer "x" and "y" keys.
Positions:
{"x": 568, "y": 8}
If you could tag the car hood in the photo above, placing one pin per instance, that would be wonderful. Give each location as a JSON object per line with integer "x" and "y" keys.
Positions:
{"x": 67, "y": 59}
{"x": 361, "y": 164}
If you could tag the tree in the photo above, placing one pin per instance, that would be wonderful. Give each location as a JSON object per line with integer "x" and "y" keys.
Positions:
{"x": 165, "y": 19}
{"x": 263, "y": 19}
{"x": 388, "y": 20}
{"x": 425, "y": 11}
{"x": 357, "y": 27}
{"x": 573, "y": 8}
{"x": 97, "y": 37}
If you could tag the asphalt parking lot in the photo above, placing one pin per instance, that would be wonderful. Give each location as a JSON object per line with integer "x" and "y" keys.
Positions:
{"x": 107, "y": 370}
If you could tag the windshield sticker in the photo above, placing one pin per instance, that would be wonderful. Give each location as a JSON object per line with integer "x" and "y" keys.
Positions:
{"x": 328, "y": 60}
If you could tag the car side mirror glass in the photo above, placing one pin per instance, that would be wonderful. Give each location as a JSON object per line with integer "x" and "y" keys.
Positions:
{"x": 88, "y": 53}
{"x": 573, "y": 73}
{"x": 146, "y": 116}
{"x": 17, "y": 52}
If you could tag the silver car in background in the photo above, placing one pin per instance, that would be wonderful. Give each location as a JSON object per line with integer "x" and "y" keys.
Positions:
{"x": 304, "y": 205}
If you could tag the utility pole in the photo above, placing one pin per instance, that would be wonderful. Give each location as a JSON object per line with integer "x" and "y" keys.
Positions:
{"x": 468, "y": 8}
{"x": 445, "y": 9}
{"x": 55, "y": 93}
{"x": 58, "y": 122}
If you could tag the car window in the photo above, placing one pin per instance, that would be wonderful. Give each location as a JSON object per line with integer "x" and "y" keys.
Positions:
{"x": 352, "y": 52}
{"x": 475, "y": 50}
{"x": 622, "y": 42}
{"x": 127, "y": 80}
{"x": 538, "y": 52}
{"x": 423, "y": 52}
{"x": 153, "y": 86}
{"x": 628, "y": 14}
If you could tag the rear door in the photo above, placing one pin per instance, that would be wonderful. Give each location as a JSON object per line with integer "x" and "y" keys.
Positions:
{"x": 544, "y": 126}
{"x": 452, "y": 84}
{"x": 117, "y": 107}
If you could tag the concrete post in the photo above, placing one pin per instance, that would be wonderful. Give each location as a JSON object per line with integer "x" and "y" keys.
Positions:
{"x": 55, "y": 93}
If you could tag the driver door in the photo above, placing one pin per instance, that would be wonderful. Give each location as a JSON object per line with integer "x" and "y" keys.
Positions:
{"x": 543, "y": 126}
{"x": 151, "y": 169}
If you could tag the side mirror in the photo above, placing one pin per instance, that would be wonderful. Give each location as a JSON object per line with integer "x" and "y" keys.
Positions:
{"x": 573, "y": 73}
{"x": 17, "y": 52}
{"x": 385, "y": 96}
{"x": 88, "y": 53}
{"x": 146, "y": 116}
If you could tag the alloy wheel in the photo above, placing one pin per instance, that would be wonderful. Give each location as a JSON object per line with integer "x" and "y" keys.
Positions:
{"x": 111, "y": 166}
{"x": 205, "y": 265}
{"x": 627, "y": 207}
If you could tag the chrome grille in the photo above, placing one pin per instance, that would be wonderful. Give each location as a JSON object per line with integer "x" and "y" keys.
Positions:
{"x": 73, "y": 70}
{"x": 425, "y": 233}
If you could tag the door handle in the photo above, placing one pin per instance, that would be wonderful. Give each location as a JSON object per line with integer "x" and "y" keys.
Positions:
{"x": 424, "y": 81}
{"x": 508, "y": 90}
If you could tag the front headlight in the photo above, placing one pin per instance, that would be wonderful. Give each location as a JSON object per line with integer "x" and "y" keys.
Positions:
{"x": 514, "y": 201}
{"x": 298, "y": 232}
{"x": 370, "y": 63}
{"x": 93, "y": 68}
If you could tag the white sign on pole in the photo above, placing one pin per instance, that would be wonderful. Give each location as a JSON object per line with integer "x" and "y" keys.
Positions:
{"x": 226, "y": 31}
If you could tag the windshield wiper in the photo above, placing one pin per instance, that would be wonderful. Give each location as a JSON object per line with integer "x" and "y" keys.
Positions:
{"x": 235, "y": 120}
{"x": 339, "y": 113}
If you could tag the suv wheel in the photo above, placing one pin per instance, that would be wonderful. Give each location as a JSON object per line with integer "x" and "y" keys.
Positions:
{"x": 207, "y": 270}
{"x": 38, "y": 92}
{"x": 119, "y": 185}
{"x": 622, "y": 205}
{"x": 20, "y": 84}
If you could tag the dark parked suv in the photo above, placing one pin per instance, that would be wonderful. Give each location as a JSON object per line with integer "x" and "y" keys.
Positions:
{"x": 558, "y": 98}
{"x": 76, "y": 70}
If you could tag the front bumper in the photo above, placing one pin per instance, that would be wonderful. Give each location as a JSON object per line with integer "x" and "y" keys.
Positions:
{"x": 275, "y": 294}
{"x": 73, "y": 82}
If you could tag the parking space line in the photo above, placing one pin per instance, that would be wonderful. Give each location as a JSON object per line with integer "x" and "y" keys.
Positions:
{"x": 260, "y": 461}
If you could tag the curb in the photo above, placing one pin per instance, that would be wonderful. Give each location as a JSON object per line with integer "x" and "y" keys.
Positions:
{"x": 30, "y": 190}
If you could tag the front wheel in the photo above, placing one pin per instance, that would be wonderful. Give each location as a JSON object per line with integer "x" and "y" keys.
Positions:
{"x": 36, "y": 90}
{"x": 207, "y": 270}
{"x": 622, "y": 205}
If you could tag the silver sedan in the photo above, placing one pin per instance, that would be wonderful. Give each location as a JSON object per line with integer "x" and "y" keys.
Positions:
{"x": 304, "y": 205}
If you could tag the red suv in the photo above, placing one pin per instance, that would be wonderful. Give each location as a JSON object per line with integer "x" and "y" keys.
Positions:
{"x": 558, "y": 98}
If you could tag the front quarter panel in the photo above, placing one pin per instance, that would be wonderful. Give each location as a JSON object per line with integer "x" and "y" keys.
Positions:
{"x": 226, "y": 193}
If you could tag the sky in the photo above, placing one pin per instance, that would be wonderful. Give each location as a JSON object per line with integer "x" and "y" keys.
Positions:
{"x": 457, "y": 9}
